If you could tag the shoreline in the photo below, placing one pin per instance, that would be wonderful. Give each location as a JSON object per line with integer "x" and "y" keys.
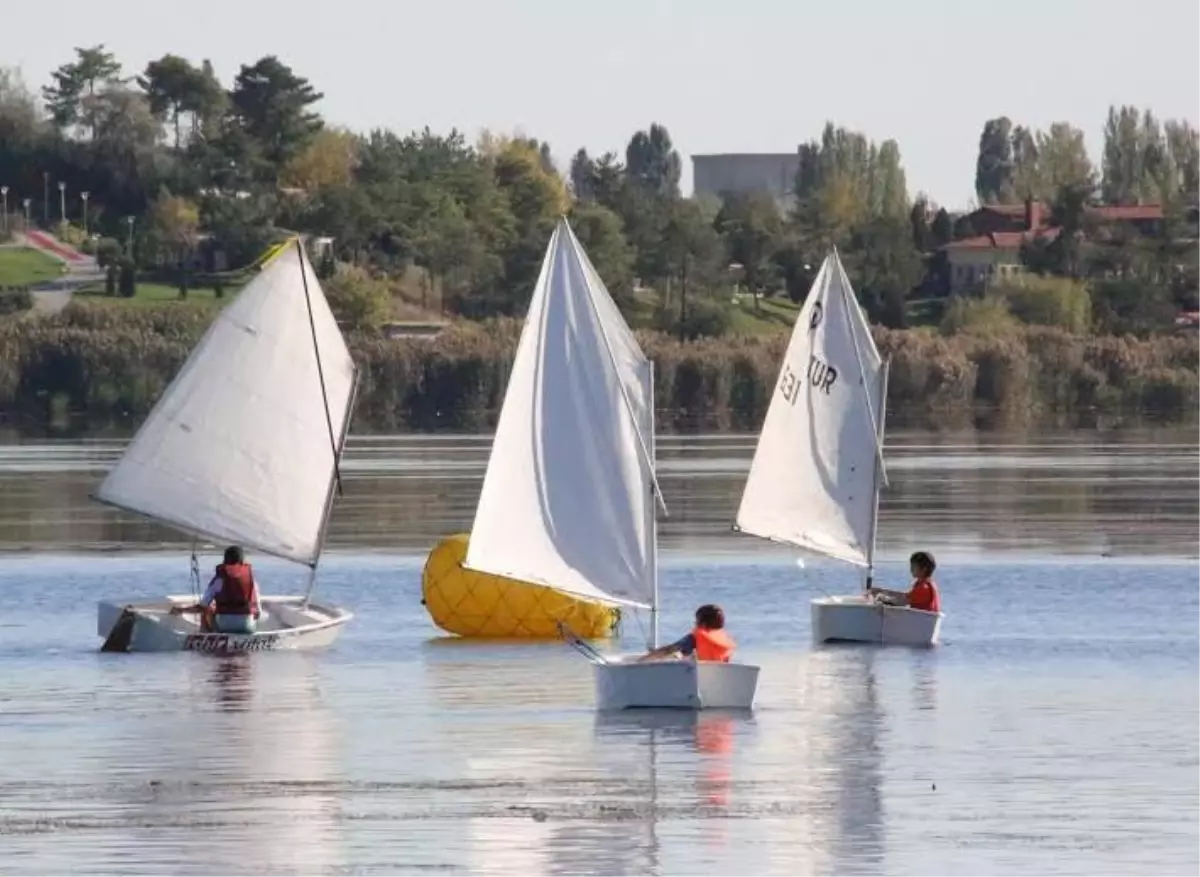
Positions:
{"x": 105, "y": 366}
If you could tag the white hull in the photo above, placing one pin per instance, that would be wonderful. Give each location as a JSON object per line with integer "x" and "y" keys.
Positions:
{"x": 622, "y": 683}
{"x": 855, "y": 619}
{"x": 285, "y": 624}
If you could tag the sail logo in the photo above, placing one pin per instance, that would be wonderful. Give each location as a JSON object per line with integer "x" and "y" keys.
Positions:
{"x": 223, "y": 642}
{"x": 814, "y": 319}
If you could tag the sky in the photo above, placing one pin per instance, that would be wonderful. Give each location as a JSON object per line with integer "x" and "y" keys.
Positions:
{"x": 722, "y": 75}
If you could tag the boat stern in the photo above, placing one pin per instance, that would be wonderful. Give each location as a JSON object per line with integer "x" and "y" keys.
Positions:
{"x": 855, "y": 619}
{"x": 150, "y": 626}
{"x": 624, "y": 683}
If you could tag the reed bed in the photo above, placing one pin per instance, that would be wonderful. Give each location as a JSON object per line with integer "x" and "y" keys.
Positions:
{"x": 110, "y": 365}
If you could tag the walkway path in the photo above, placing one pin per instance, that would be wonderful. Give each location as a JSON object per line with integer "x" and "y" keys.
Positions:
{"x": 54, "y": 295}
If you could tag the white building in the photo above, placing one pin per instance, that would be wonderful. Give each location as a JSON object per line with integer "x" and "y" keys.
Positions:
{"x": 742, "y": 172}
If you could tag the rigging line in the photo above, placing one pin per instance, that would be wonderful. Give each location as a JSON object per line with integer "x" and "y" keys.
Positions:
{"x": 312, "y": 325}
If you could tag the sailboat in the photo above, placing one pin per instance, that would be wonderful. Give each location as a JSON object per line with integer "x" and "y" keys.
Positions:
{"x": 243, "y": 448}
{"x": 570, "y": 496}
{"x": 818, "y": 468}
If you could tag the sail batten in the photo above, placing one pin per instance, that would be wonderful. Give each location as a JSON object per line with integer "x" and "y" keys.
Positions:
{"x": 237, "y": 448}
{"x": 812, "y": 480}
{"x": 565, "y": 496}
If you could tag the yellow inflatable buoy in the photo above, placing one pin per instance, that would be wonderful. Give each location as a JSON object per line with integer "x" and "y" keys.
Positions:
{"x": 475, "y": 604}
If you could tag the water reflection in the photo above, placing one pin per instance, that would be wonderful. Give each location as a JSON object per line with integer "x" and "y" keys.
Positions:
{"x": 233, "y": 683}
{"x": 840, "y": 762}
{"x": 1085, "y": 492}
{"x": 687, "y": 759}
{"x": 242, "y": 775}
{"x": 462, "y": 674}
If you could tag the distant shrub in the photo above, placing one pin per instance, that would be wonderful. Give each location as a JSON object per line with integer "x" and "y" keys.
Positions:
{"x": 15, "y": 300}
{"x": 989, "y": 314}
{"x": 1048, "y": 301}
{"x": 128, "y": 279}
{"x": 358, "y": 300}
{"x": 108, "y": 252}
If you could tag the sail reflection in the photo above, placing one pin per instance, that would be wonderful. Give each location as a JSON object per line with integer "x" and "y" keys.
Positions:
{"x": 840, "y": 763}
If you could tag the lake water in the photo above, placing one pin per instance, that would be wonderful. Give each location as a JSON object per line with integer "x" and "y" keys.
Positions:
{"x": 1054, "y": 732}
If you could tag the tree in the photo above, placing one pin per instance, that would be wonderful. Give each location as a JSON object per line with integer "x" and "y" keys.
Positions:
{"x": 652, "y": 163}
{"x": 210, "y": 102}
{"x": 1157, "y": 185}
{"x": 889, "y": 188}
{"x": 358, "y": 300}
{"x": 123, "y": 149}
{"x": 75, "y": 84}
{"x": 1064, "y": 254}
{"x": 884, "y": 267}
{"x": 583, "y": 169}
{"x": 602, "y": 235}
{"x": 328, "y": 160}
{"x": 20, "y": 126}
{"x": 444, "y": 244}
{"x": 1123, "y": 156}
{"x": 1026, "y": 158}
{"x": 1183, "y": 145}
{"x": 994, "y": 168}
{"x": 692, "y": 251}
{"x": 271, "y": 104}
{"x": 918, "y": 220}
{"x": 941, "y": 230}
{"x": 843, "y": 180}
{"x": 536, "y": 199}
{"x": 173, "y": 86}
{"x": 175, "y": 224}
{"x": 1062, "y": 160}
{"x": 753, "y": 232}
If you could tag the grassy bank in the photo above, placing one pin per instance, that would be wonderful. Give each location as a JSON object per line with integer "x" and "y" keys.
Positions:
{"x": 154, "y": 295}
{"x": 111, "y": 364}
{"x": 24, "y": 266}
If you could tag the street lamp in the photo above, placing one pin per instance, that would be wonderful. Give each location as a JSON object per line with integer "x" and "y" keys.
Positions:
{"x": 25, "y": 203}
{"x": 46, "y": 197}
{"x": 84, "y": 196}
{"x": 62, "y": 201}
{"x": 129, "y": 241}
{"x": 4, "y": 201}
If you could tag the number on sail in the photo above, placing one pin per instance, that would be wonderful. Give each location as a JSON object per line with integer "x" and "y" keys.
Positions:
{"x": 789, "y": 384}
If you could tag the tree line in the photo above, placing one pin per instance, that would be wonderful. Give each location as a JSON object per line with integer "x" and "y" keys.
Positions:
{"x": 175, "y": 161}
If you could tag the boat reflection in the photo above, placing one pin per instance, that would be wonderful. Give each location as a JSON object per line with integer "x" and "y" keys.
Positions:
{"x": 686, "y": 758}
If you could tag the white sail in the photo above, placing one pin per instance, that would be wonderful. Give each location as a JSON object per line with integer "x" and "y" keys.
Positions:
{"x": 238, "y": 448}
{"x": 812, "y": 481}
{"x": 567, "y": 499}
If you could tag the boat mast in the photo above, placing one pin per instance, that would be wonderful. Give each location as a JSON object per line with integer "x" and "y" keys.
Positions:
{"x": 335, "y": 444}
{"x": 312, "y": 325}
{"x": 849, "y": 301}
{"x": 653, "y": 511}
{"x": 329, "y": 496}
{"x": 328, "y": 512}
{"x": 878, "y": 474}
{"x": 883, "y": 388}
{"x": 647, "y": 454}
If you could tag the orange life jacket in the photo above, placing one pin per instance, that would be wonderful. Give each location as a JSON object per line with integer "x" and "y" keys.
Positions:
{"x": 237, "y": 589}
{"x": 713, "y": 645}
